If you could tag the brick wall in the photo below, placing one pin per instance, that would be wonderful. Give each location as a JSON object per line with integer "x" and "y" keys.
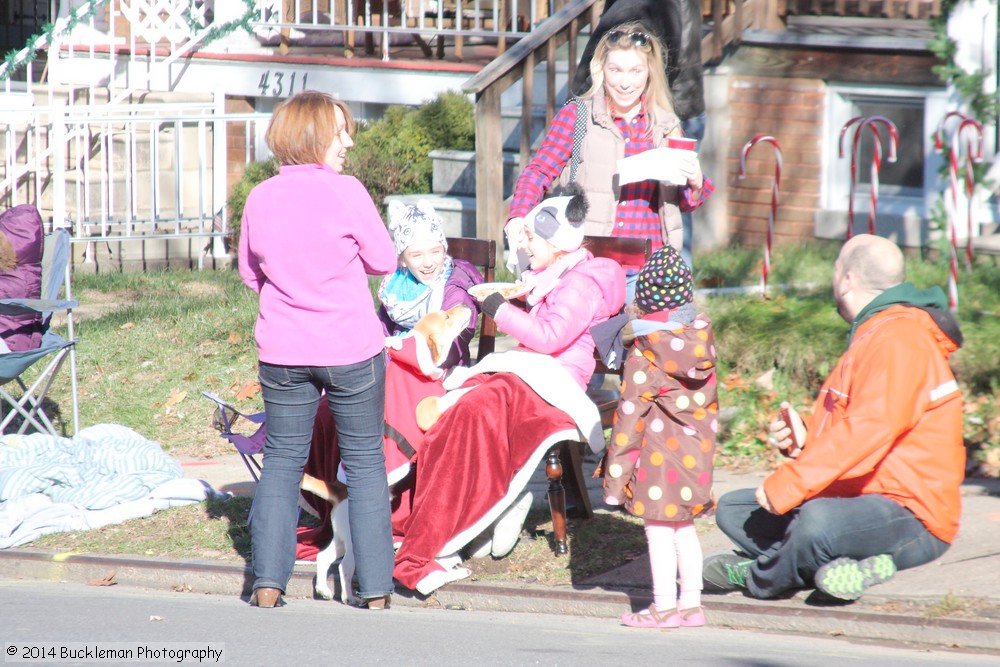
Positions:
{"x": 236, "y": 146}
{"x": 790, "y": 110}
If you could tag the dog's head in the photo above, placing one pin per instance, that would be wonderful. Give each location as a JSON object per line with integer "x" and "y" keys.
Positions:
{"x": 440, "y": 329}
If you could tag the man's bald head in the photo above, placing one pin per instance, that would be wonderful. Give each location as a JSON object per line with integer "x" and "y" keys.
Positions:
{"x": 876, "y": 262}
{"x": 867, "y": 266}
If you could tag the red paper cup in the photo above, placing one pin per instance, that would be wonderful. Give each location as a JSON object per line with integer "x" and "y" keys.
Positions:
{"x": 682, "y": 142}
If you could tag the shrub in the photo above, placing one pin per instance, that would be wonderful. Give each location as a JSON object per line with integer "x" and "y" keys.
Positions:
{"x": 256, "y": 172}
{"x": 448, "y": 122}
{"x": 390, "y": 155}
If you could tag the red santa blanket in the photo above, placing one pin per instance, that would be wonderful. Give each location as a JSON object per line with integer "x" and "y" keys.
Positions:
{"x": 479, "y": 456}
{"x": 410, "y": 376}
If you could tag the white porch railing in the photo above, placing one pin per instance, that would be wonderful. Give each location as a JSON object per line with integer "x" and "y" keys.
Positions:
{"x": 131, "y": 172}
{"x": 338, "y": 22}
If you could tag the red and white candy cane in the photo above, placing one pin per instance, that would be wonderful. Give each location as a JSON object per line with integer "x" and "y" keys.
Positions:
{"x": 854, "y": 168}
{"x": 964, "y": 121}
{"x": 871, "y": 123}
{"x": 953, "y": 192}
{"x": 970, "y": 176}
{"x": 774, "y": 198}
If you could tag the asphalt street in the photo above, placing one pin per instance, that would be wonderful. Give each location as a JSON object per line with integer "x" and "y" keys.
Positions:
{"x": 53, "y": 617}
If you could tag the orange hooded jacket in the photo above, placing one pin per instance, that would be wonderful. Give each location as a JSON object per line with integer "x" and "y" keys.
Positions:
{"x": 888, "y": 420}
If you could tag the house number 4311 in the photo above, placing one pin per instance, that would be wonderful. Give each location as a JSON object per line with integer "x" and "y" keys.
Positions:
{"x": 280, "y": 84}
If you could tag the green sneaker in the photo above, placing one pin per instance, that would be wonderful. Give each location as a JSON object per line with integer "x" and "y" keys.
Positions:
{"x": 725, "y": 571}
{"x": 847, "y": 579}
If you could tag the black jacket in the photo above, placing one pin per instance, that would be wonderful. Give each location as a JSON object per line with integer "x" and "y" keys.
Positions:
{"x": 677, "y": 23}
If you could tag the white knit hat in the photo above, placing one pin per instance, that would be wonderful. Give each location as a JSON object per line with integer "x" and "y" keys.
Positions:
{"x": 559, "y": 220}
{"x": 415, "y": 223}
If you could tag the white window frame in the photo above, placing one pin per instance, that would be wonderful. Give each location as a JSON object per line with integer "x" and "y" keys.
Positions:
{"x": 892, "y": 201}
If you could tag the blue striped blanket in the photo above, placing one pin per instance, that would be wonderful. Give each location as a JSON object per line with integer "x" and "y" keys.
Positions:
{"x": 101, "y": 466}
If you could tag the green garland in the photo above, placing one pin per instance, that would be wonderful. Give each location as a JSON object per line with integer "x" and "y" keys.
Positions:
{"x": 982, "y": 106}
{"x": 14, "y": 60}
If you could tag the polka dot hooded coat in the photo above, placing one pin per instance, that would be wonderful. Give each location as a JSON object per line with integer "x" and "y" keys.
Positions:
{"x": 659, "y": 462}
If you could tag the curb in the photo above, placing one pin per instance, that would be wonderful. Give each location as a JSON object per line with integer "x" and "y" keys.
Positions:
{"x": 778, "y": 616}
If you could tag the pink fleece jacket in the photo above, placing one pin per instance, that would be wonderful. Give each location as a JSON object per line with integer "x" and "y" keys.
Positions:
{"x": 309, "y": 241}
{"x": 590, "y": 292}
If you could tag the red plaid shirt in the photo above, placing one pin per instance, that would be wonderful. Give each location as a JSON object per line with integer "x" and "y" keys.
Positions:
{"x": 637, "y": 213}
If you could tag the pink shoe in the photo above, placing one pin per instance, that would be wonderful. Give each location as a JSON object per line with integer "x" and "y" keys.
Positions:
{"x": 653, "y": 617}
{"x": 692, "y": 618}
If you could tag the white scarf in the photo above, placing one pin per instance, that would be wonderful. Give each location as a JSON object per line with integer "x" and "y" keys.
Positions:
{"x": 544, "y": 281}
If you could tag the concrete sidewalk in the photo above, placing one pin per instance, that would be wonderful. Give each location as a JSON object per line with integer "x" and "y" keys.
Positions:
{"x": 952, "y": 602}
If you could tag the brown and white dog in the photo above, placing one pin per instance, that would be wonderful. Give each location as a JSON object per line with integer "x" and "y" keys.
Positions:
{"x": 435, "y": 333}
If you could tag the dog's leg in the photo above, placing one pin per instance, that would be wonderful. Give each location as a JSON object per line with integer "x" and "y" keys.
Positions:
{"x": 342, "y": 531}
{"x": 324, "y": 559}
{"x": 430, "y": 409}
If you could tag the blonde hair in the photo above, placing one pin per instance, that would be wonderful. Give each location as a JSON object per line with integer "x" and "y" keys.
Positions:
{"x": 657, "y": 91}
{"x": 303, "y": 127}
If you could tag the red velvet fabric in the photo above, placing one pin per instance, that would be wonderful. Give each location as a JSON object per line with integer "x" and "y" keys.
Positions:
{"x": 468, "y": 461}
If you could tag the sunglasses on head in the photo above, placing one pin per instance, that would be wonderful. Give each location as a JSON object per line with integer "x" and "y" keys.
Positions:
{"x": 616, "y": 37}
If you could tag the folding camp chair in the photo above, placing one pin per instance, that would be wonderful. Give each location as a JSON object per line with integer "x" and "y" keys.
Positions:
{"x": 249, "y": 446}
{"x": 55, "y": 276}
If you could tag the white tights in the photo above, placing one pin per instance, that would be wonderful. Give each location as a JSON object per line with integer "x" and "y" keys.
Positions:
{"x": 674, "y": 549}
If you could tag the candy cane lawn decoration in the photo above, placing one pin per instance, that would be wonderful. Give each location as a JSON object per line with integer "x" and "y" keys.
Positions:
{"x": 953, "y": 191}
{"x": 860, "y": 123}
{"x": 871, "y": 123}
{"x": 774, "y": 198}
{"x": 970, "y": 176}
{"x": 854, "y": 168}
{"x": 965, "y": 121}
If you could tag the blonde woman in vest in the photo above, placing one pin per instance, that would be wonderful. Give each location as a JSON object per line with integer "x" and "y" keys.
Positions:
{"x": 628, "y": 110}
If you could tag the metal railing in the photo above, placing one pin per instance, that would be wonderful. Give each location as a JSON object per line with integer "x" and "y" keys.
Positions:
{"x": 340, "y": 22}
{"x": 130, "y": 172}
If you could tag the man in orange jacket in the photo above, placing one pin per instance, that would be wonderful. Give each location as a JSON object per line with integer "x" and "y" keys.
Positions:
{"x": 872, "y": 481}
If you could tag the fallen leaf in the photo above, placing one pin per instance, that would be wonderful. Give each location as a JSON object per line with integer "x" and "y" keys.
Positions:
{"x": 190, "y": 377}
{"x": 734, "y": 382}
{"x": 176, "y": 397}
{"x": 127, "y": 325}
{"x": 234, "y": 337}
{"x": 766, "y": 380}
{"x": 248, "y": 390}
{"x": 107, "y": 580}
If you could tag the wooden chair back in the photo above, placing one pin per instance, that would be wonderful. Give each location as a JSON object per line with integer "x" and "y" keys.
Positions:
{"x": 631, "y": 253}
{"x": 482, "y": 254}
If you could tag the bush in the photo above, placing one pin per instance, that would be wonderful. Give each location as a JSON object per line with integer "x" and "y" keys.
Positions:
{"x": 256, "y": 172}
{"x": 448, "y": 122}
{"x": 391, "y": 155}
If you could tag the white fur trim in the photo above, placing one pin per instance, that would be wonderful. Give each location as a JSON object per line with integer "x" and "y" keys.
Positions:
{"x": 550, "y": 381}
{"x": 426, "y": 364}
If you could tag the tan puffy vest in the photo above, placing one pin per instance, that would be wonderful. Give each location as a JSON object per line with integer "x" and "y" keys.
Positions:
{"x": 597, "y": 173}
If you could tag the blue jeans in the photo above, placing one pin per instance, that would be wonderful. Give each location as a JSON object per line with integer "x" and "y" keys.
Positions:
{"x": 694, "y": 128}
{"x": 356, "y": 394}
{"x": 790, "y": 548}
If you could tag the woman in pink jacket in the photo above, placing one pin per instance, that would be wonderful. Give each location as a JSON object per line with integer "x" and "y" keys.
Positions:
{"x": 310, "y": 238}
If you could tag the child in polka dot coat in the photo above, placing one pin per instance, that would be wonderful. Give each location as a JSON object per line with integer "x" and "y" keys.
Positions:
{"x": 659, "y": 462}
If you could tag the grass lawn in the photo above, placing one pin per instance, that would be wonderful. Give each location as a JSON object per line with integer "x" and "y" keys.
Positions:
{"x": 150, "y": 343}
